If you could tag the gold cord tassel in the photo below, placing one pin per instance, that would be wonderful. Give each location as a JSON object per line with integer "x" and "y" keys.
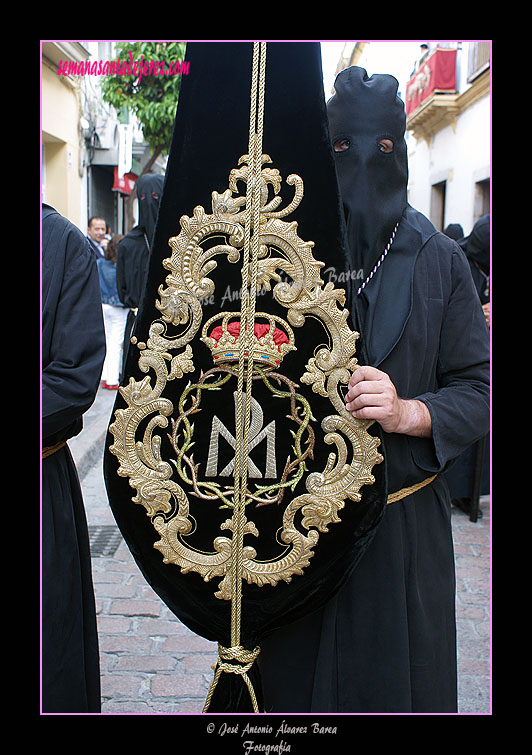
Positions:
{"x": 246, "y": 657}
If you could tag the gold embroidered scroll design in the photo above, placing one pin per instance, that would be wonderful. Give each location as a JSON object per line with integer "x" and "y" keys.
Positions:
{"x": 283, "y": 255}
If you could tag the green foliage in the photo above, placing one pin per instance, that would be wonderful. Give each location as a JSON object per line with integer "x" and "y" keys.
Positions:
{"x": 152, "y": 96}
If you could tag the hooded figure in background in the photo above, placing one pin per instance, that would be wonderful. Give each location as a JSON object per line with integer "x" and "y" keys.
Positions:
{"x": 477, "y": 250}
{"x": 386, "y": 643}
{"x": 469, "y": 477}
{"x": 135, "y": 248}
{"x": 454, "y": 231}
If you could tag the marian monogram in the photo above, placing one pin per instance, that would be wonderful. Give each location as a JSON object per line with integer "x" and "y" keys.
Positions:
{"x": 257, "y": 433}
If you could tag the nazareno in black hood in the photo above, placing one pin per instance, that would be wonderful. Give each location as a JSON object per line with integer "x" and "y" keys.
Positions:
{"x": 373, "y": 184}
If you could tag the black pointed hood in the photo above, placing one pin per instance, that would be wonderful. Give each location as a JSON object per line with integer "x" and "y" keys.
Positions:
{"x": 149, "y": 191}
{"x": 373, "y": 183}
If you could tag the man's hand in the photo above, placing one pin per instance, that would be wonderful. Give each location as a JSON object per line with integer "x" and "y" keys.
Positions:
{"x": 487, "y": 312}
{"x": 372, "y": 395}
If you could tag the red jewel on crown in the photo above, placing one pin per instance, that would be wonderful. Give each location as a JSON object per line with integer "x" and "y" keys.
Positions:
{"x": 272, "y": 339}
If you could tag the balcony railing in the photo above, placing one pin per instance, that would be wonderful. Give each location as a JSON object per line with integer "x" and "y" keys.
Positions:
{"x": 437, "y": 75}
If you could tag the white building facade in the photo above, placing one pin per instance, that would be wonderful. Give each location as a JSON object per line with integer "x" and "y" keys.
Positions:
{"x": 449, "y": 143}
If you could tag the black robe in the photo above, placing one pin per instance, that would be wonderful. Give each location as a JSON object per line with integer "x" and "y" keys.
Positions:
{"x": 73, "y": 351}
{"x": 387, "y": 642}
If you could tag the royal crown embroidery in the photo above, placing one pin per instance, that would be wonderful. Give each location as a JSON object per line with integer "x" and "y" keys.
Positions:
{"x": 271, "y": 339}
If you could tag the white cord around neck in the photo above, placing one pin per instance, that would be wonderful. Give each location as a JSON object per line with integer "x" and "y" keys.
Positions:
{"x": 380, "y": 260}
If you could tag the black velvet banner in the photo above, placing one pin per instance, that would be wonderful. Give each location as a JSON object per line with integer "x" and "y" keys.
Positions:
{"x": 198, "y": 442}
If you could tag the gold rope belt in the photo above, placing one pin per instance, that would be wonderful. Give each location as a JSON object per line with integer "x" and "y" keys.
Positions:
{"x": 408, "y": 491}
{"x": 49, "y": 450}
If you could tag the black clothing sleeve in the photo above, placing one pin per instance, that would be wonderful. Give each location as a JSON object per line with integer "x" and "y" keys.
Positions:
{"x": 460, "y": 407}
{"x": 73, "y": 348}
